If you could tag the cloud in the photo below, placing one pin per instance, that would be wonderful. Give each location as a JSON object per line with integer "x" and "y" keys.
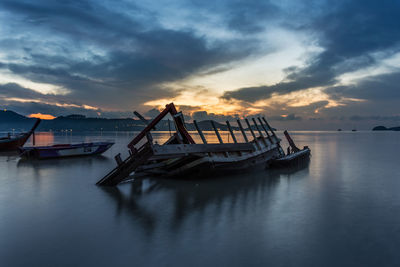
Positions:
{"x": 379, "y": 87}
{"x": 93, "y": 49}
{"x": 152, "y": 113}
{"x": 204, "y": 115}
{"x": 115, "y": 56}
{"x": 374, "y": 28}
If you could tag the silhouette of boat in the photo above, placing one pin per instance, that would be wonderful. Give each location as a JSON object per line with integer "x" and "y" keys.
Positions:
{"x": 13, "y": 142}
{"x": 65, "y": 150}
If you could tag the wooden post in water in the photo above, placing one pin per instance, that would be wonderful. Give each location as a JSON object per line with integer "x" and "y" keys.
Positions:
{"x": 230, "y": 130}
{"x": 216, "y": 132}
{"x": 243, "y": 132}
{"x": 200, "y": 132}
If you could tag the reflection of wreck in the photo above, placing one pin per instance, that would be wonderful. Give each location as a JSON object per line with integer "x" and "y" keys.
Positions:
{"x": 181, "y": 156}
{"x": 179, "y": 200}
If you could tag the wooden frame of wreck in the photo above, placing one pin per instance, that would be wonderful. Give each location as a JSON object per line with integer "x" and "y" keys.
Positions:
{"x": 181, "y": 156}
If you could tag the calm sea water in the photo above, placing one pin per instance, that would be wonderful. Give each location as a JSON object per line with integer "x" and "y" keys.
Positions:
{"x": 342, "y": 209}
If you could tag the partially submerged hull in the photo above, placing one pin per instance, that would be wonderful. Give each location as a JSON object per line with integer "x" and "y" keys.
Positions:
{"x": 210, "y": 164}
{"x": 291, "y": 159}
{"x": 181, "y": 157}
{"x": 65, "y": 150}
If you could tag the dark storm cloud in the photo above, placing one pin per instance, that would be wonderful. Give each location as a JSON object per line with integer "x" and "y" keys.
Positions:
{"x": 349, "y": 31}
{"x": 130, "y": 55}
{"x": 379, "y": 87}
{"x": 13, "y": 90}
{"x": 246, "y": 17}
{"x": 252, "y": 94}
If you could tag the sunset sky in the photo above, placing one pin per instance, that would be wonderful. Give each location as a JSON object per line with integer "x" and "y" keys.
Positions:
{"x": 304, "y": 64}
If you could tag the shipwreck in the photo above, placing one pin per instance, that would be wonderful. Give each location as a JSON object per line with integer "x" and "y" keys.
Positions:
{"x": 180, "y": 156}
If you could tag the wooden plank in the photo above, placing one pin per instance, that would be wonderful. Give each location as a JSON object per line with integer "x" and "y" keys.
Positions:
{"x": 216, "y": 132}
{"x": 265, "y": 129}
{"x": 170, "y": 108}
{"x": 200, "y": 148}
{"x": 269, "y": 127}
{"x": 251, "y": 130}
{"x": 260, "y": 132}
{"x": 129, "y": 165}
{"x": 258, "y": 128}
{"x": 243, "y": 132}
{"x": 200, "y": 132}
{"x": 118, "y": 159}
{"x": 143, "y": 119}
{"x": 230, "y": 130}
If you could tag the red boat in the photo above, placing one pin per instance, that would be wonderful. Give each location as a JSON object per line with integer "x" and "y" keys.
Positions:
{"x": 13, "y": 142}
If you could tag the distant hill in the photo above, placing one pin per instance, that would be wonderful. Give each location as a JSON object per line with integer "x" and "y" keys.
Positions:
{"x": 10, "y": 120}
{"x": 383, "y": 128}
{"x": 11, "y": 116}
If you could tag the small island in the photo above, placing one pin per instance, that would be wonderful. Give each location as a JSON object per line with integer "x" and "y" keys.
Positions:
{"x": 383, "y": 128}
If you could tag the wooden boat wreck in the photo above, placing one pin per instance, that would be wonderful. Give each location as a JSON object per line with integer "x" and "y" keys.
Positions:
{"x": 14, "y": 142}
{"x": 180, "y": 156}
{"x": 65, "y": 150}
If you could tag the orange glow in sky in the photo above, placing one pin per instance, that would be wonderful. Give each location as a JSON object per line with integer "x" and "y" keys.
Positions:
{"x": 41, "y": 116}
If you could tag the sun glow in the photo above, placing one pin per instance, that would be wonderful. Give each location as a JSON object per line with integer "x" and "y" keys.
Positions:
{"x": 199, "y": 100}
{"x": 42, "y": 116}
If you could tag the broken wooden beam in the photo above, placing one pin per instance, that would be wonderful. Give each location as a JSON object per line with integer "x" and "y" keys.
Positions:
{"x": 251, "y": 130}
{"x": 200, "y": 132}
{"x": 265, "y": 129}
{"x": 258, "y": 128}
{"x": 126, "y": 167}
{"x": 186, "y": 149}
{"x": 146, "y": 122}
{"x": 230, "y": 130}
{"x": 243, "y": 132}
{"x": 216, "y": 132}
{"x": 269, "y": 127}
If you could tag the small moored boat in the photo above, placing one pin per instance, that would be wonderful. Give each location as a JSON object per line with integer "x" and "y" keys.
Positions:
{"x": 65, "y": 150}
{"x": 12, "y": 142}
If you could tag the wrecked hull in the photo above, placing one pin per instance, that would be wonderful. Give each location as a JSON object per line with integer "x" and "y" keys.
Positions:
{"x": 181, "y": 157}
{"x": 194, "y": 167}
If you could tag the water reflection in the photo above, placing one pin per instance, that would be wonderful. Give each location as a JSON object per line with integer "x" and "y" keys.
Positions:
{"x": 208, "y": 199}
{"x": 41, "y": 139}
{"x": 62, "y": 162}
